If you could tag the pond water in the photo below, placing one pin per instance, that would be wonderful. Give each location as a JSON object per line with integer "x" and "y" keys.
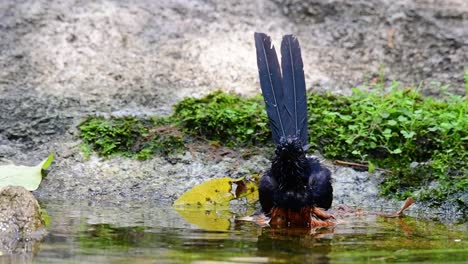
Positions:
{"x": 157, "y": 233}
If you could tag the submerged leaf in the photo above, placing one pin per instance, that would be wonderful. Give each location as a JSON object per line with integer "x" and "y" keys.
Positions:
{"x": 28, "y": 177}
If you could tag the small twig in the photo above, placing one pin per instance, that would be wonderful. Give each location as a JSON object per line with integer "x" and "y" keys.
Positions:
{"x": 353, "y": 164}
{"x": 390, "y": 38}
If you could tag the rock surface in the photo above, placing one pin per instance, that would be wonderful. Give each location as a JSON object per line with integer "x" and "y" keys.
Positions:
{"x": 21, "y": 225}
{"x": 64, "y": 60}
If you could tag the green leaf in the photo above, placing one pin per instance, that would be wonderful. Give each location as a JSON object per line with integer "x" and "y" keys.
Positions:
{"x": 46, "y": 163}
{"x": 346, "y": 117}
{"x": 26, "y": 176}
{"x": 407, "y": 134}
{"x": 391, "y": 122}
{"x": 371, "y": 167}
{"x": 402, "y": 119}
{"x": 396, "y": 151}
{"x": 387, "y": 133}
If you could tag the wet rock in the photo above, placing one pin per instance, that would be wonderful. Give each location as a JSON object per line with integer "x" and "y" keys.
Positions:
{"x": 123, "y": 179}
{"x": 21, "y": 225}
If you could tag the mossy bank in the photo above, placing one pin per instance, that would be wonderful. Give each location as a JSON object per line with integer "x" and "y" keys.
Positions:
{"x": 419, "y": 142}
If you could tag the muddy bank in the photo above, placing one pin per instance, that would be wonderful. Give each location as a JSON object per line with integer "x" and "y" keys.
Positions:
{"x": 64, "y": 60}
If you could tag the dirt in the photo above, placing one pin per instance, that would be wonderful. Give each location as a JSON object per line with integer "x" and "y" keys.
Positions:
{"x": 64, "y": 60}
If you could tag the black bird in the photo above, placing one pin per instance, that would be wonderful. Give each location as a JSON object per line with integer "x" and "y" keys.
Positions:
{"x": 296, "y": 186}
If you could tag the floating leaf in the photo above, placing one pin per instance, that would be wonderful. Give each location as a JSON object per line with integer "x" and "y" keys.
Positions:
{"x": 214, "y": 194}
{"x": 28, "y": 177}
{"x": 218, "y": 193}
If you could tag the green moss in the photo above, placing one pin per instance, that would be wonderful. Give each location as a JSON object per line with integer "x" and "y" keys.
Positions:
{"x": 129, "y": 136}
{"x": 466, "y": 83}
{"x": 226, "y": 118}
{"x": 422, "y": 141}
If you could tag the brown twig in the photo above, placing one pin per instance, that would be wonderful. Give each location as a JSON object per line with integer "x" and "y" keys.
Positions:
{"x": 390, "y": 38}
{"x": 353, "y": 164}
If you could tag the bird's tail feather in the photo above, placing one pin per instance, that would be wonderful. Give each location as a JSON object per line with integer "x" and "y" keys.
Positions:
{"x": 271, "y": 84}
{"x": 294, "y": 87}
{"x": 284, "y": 95}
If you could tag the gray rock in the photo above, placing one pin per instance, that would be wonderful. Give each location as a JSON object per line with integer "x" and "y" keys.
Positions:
{"x": 21, "y": 225}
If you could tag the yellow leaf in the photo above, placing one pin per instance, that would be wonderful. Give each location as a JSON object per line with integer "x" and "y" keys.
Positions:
{"x": 208, "y": 194}
{"x": 195, "y": 204}
{"x": 217, "y": 193}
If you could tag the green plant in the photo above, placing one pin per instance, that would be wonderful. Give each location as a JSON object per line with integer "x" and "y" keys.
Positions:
{"x": 223, "y": 117}
{"x": 162, "y": 140}
{"x": 466, "y": 83}
{"x": 129, "y": 136}
{"x": 394, "y": 131}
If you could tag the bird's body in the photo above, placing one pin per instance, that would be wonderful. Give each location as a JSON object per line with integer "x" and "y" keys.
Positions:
{"x": 295, "y": 186}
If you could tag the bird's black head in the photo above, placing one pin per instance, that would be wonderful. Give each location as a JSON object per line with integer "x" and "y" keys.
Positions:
{"x": 290, "y": 148}
{"x": 289, "y": 168}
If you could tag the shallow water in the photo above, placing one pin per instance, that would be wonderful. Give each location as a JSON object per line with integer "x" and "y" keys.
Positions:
{"x": 96, "y": 233}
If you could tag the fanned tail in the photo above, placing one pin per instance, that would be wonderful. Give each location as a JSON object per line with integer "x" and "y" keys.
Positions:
{"x": 294, "y": 88}
{"x": 272, "y": 88}
{"x": 284, "y": 94}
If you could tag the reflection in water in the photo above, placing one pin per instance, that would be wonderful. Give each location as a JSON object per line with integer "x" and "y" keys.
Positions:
{"x": 296, "y": 244}
{"x": 157, "y": 234}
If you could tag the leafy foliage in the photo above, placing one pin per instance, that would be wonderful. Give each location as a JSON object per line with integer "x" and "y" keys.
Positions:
{"x": 466, "y": 83}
